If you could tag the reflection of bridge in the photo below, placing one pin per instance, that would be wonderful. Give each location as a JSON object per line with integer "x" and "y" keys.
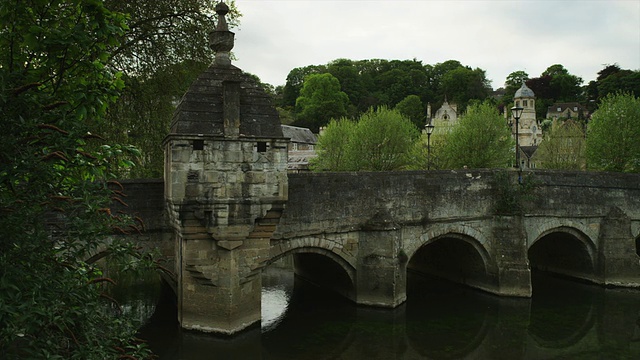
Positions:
{"x": 481, "y": 327}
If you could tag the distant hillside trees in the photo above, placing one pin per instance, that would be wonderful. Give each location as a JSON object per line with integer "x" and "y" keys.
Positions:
{"x": 376, "y": 83}
{"x": 610, "y": 80}
{"x": 320, "y": 100}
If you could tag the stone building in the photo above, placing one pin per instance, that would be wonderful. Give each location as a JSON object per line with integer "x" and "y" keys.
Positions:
{"x": 301, "y": 148}
{"x": 571, "y": 110}
{"x": 446, "y": 116}
{"x": 529, "y": 132}
{"x": 225, "y": 188}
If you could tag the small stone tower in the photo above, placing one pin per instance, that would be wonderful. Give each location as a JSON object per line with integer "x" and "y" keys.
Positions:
{"x": 225, "y": 188}
{"x": 529, "y": 133}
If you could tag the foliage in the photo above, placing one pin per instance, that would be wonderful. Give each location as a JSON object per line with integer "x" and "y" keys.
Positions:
{"x": 412, "y": 108}
{"x": 563, "y": 147}
{"x": 164, "y": 48}
{"x": 611, "y": 80}
{"x": 333, "y": 146}
{"x": 463, "y": 84}
{"x": 613, "y": 134}
{"x": 320, "y": 100}
{"x": 481, "y": 139}
{"x": 381, "y": 140}
{"x": 513, "y": 192}
{"x": 377, "y": 82}
{"x": 142, "y": 114}
{"x": 555, "y": 84}
{"x": 55, "y": 196}
{"x": 513, "y": 83}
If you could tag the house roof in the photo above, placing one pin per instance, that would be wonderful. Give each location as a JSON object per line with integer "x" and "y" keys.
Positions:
{"x": 564, "y": 106}
{"x": 529, "y": 150}
{"x": 299, "y": 135}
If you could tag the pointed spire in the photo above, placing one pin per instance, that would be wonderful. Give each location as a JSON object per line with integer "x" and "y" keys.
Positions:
{"x": 221, "y": 39}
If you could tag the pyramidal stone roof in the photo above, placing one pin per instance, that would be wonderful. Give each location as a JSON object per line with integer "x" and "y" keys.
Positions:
{"x": 223, "y": 95}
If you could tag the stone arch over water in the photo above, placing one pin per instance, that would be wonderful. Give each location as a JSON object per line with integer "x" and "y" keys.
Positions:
{"x": 565, "y": 250}
{"x": 456, "y": 253}
{"x": 316, "y": 260}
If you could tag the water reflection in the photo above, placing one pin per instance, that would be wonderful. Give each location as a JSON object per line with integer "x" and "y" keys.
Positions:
{"x": 440, "y": 320}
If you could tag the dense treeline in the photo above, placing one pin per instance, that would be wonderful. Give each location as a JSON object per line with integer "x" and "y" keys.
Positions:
{"x": 376, "y": 82}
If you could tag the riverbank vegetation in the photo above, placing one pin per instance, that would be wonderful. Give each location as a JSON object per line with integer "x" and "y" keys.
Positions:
{"x": 63, "y": 66}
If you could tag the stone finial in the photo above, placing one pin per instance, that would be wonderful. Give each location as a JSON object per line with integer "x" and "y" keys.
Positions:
{"x": 221, "y": 39}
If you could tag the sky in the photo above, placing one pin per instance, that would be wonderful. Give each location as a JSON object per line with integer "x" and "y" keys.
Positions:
{"x": 498, "y": 36}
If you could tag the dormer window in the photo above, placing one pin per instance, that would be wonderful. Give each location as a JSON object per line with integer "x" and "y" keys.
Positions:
{"x": 559, "y": 109}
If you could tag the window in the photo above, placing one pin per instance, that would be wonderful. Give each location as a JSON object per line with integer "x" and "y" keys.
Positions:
{"x": 524, "y": 103}
{"x": 198, "y": 144}
{"x": 261, "y": 146}
{"x": 559, "y": 109}
{"x": 575, "y": 108}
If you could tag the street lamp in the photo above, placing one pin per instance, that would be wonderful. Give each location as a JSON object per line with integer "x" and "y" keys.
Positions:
{"x": 429, "y": 127}
{"x": 516, "y": 111}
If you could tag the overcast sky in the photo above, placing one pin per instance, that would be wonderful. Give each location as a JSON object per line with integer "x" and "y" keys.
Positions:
{"x": 499, "y": 36}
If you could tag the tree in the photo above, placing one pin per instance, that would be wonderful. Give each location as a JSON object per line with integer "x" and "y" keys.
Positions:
{"x": 381, "y": 140}
{"x": 164, "y": 49}
{"x": 295, "y": 80}
{"x": 480, "y": 139}
{"x": 333, "y": 146}
{"x": 412, "y": 108}
{"x": 320, "y": 100}
{"x": 613, "y": 134}
{"x": 563, "y": 147}
{"x": 611, "y": 80}
{"x": 464, "y": 84}
{"x": 513, "y": 83}
{"x": 56, "y": 188}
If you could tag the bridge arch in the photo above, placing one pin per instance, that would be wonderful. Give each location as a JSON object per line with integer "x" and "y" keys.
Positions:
{"x": 564, "y": 249}
{"x": 463, "y": 232}
{"x": 455, "y": 252}
{"x": 338, "y": 272}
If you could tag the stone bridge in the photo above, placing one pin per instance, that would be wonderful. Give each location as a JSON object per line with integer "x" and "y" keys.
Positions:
{"x": 233, "y": 209}
{"x": 360, "y": 234}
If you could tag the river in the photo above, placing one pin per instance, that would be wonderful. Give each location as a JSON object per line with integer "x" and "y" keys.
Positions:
{"x": 563, "y": 320}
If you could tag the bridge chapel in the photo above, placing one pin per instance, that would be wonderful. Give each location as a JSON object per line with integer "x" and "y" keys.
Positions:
{"x": 225, "y": 189}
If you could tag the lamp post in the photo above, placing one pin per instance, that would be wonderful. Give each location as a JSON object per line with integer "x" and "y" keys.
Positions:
{"x": 516, "y": 111}
{"x": 429, "y": 127}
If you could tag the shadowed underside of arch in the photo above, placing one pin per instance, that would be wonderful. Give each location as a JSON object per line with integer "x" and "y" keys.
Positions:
{"x": 320, "y": 265}
{"x": 566, "y": 251}
{"x": 456, "y": 257}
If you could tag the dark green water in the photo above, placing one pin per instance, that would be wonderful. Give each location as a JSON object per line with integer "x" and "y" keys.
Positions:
{"x": 440, "y": 320}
